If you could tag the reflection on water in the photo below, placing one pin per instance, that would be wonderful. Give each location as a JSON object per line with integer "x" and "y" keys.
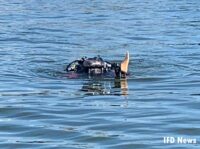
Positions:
{"x": 123, "y": 85}
{"x": 41, "y": 107}
{"x": 102, "y": 87}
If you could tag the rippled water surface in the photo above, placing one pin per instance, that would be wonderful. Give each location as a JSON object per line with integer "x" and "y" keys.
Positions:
{"x": 40, "y": 107}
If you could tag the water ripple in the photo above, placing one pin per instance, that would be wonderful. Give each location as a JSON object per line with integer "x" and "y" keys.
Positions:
{"x": 41, "y": 107}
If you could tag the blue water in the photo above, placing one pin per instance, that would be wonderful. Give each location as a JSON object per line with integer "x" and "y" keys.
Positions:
{"x": 41, "y": 108}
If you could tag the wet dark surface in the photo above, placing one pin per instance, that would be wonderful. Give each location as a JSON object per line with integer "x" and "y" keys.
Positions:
{"x": 41, "y": 108}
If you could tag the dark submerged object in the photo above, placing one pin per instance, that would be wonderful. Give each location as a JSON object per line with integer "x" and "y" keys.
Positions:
{"x": 97, "y": 66}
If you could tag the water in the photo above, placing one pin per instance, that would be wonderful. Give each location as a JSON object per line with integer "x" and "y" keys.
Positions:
{"x": 41, "y": 108}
